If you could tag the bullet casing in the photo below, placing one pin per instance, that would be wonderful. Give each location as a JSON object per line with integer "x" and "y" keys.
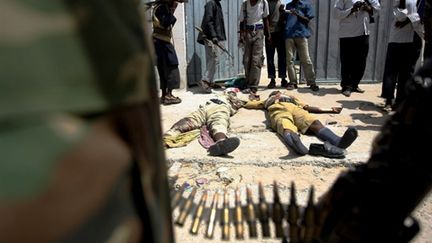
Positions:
{"x": 212, "y": 218}
{"x": 225, "y": 223}
{"x": 263, "y": 212}
{"x": 184, "y": 211}
{"x": 198, "y": 214}
{"x": 239, "y": 217}
{"x": 250, "y": 215}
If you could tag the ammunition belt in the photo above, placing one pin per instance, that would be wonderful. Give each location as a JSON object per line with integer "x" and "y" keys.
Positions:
{"x": 289, "y": 221}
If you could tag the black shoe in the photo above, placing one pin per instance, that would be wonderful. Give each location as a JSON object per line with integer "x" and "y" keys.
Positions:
{"x": 298, "y": 146}
{"x": 291, "y": 86}
{"x": 347, "y": 92}
{"x": 224, "y": 146}
{"x": 348, "y": 138}
{"x": 284, "y": 83}
{"x": 357, "y": 90}
{"x": 314, "y": 87}
{"x": 272, "y": 84}
{"x": 327, "y": 150}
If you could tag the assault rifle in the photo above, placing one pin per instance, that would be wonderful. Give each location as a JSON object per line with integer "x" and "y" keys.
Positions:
{"x": 217, "y": 44}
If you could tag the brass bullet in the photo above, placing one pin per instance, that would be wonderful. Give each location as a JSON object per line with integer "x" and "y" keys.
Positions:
{"x": 198, "y": 214}
{"x": 225, "y": 222}
{"x": 184, "y": 210}
{"x": 177, "y": 196}
{"x": 250, "y": 215}
{"x": 212, "y": 218}
{"x": 263, "y": 212}
{"x": 238, "y": 220}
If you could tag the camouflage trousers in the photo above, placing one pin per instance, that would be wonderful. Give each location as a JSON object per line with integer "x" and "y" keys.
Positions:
{"x": 253, "y": 57}
{"x": 215, "y": 116}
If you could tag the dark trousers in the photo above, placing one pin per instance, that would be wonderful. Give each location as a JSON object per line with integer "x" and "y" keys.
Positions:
{"x": 167, "y": 65}
{"x": 399, "y": 67}
{"x": 353, "y": 55}
{"x": 277, "y": 44}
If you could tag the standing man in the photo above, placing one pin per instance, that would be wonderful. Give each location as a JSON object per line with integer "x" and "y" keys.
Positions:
{"x": 213, "y": 31}
{"x": 167, "y": 61}
{"x": 403, "y": 50}
{"x": 254, "y": 26}
{"x": 297, "y": 32}
{"x": 276, "y": 24}
{"x": 354, "y": 19}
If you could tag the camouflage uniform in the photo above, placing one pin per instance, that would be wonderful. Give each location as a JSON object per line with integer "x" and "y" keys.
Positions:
{"x": 76, "y": 80}
{"x": 215, "y": 113}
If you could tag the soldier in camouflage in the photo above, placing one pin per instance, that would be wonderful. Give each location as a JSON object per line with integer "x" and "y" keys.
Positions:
{"x": 82, "y": 157}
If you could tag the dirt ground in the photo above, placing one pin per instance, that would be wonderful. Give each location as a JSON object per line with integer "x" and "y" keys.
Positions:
{"x": 262, "y": 156}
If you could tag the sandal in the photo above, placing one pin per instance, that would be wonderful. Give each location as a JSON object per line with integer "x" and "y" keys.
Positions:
{"x": 170, "y": 100}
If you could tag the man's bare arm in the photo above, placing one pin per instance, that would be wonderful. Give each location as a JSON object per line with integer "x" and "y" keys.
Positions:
{"x": 314, "y": 109}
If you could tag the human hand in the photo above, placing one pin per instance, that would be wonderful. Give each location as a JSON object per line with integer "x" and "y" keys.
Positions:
{"x": 336, "y": 110}
{"x": 215, "y": 41}
{"x": 253, "y": 97}
{"x": 293, "y": 12}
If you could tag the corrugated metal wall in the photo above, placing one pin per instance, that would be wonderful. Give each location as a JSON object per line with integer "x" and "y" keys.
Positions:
{"x": 324, "y": 43}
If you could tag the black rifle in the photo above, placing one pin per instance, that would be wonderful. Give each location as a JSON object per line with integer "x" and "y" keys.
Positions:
{"x": 217, "y": 44}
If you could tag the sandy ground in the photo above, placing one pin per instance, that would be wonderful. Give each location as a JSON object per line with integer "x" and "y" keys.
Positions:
{"x": 262, "y": 156}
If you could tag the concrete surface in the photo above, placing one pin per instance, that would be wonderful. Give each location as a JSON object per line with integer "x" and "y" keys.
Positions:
{"x": 262, "y": 156}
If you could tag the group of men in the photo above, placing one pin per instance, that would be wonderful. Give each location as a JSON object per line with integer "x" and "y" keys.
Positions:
{"x": 285, "y": 30}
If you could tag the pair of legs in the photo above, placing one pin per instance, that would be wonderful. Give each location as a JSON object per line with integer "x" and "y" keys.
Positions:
{"x": 293, "y": 140}
{"x": 216, "y": 117}
{"x": 290, "y": 120}
{"x": 299, "y": 45}
{"x": 169, "y": 79}
{"x": 277, "y": 45}
{"x": 169, "y": 74}
{"x": 353, "y": 55}
{"x": 253, "y": 58}
{"x": 399, "y": 68}
{"x": 212, "y": 61}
